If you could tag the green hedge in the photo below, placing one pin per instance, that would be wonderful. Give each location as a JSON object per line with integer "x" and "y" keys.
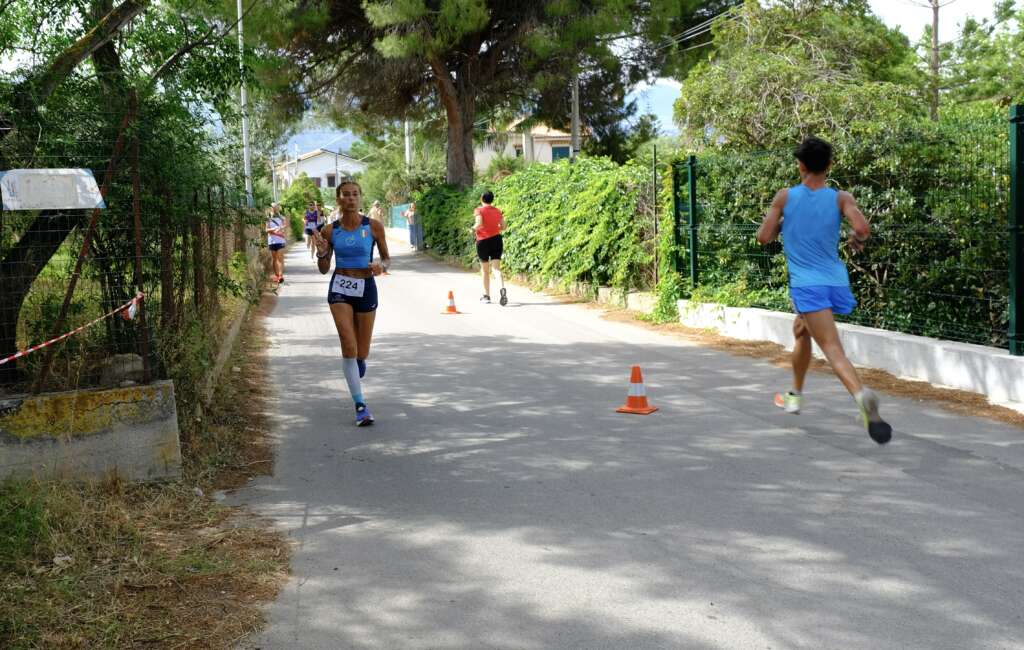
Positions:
{"x": 567, "y": 222}
{"x": 935, "y": 192}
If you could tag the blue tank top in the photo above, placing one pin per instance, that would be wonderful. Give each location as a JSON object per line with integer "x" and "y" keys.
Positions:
{"x": 353, "y": 249}
{"x": 810, "y": 238}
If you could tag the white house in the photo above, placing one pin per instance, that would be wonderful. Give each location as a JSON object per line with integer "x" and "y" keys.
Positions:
{"x": 324, "y": 167}
{"x": 538, "y": 144}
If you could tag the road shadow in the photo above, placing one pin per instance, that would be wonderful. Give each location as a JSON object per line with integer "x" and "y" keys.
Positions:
{"x": 501, "y": 502}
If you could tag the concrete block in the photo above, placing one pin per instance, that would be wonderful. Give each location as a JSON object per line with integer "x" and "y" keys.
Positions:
{"x": 641, "y": 301}
{"x": 130, "y": 432}
{"x": 976, "y": 368}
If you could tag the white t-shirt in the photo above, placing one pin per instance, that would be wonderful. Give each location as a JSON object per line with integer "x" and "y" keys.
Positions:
{"x": 276, "y": 222}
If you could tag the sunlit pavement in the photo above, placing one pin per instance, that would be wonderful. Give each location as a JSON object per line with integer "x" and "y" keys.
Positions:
{"x": 500, "y": 502}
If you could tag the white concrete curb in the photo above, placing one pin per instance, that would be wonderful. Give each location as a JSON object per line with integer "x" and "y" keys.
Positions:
{"x": 976, "y": 368}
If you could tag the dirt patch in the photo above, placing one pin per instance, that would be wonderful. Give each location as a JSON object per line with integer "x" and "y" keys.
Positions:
{"x": 114, "y": 565}
{"x": 956, "y": 401}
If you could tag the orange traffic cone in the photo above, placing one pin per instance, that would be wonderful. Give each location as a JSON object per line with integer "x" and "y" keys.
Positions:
{"x": 636, "y": 401}
{"x": 451, "y": 305}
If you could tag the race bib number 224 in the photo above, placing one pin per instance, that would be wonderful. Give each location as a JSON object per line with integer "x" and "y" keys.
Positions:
{"x": 347, "y": 286}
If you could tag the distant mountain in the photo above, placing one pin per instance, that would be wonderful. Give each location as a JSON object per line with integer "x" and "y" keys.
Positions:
{"x": 332, "y": 139}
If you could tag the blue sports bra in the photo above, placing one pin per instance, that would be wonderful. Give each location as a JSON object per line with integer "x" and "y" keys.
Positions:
{"x": 353, "y": 249}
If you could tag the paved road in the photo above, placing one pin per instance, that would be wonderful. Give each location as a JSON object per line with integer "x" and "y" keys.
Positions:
{"x": 500, "y": 502}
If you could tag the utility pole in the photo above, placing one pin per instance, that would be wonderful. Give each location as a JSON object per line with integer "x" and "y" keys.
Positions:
{"x": 408, "y": 146}
{"x": 934, "y": 108}
{"x": 245, "y": 113}
{"x": 273, "y": 176}
{"x": 575, "y": 118}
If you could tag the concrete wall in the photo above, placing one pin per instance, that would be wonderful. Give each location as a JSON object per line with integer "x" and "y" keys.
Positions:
{"x": 976, "y": 368}
{"x": 539, "y": 146}
{"x": 131, "y": 432}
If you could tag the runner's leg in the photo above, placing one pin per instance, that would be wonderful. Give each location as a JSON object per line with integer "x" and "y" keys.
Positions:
{"x": 801, "y": 354}
{"x": 344, "y": 321}
{"x": 485, "y": 272}
{"x": 364, "y": 334}
{"x": 822, "y": 326}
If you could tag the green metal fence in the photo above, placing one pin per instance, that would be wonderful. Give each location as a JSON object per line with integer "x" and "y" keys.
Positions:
{"x": 946, "y": 208}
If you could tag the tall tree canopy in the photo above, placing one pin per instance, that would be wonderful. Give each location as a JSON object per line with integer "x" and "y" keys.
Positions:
{"x": 797, "y": 67}
{"x": 469, "y": 59}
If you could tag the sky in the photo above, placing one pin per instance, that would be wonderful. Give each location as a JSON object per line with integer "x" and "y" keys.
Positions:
{"x": 908, "y": 15}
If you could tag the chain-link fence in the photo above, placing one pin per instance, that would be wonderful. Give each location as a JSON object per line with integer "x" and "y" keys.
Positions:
{"x": 174, "y": 230}
{"x": 937, "y": 198}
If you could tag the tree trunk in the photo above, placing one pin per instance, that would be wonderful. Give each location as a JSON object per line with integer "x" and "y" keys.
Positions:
{"x": 459, "y": 101}
{"x": 167, "y": 315}
{"x": 18, "y": 270}
{"x": 198, "y": 272}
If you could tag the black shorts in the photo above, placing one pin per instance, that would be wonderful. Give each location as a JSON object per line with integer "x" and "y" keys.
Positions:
{"x": 490, "y": 248}
{"x": 360, "y": 304}
{"x": 276, "y": 247}
{"x": 309, "y": 229}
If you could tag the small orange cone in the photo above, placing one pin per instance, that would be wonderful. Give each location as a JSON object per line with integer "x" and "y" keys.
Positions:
{"x": 636, "y": 401}
{"x": 451, "y": 305}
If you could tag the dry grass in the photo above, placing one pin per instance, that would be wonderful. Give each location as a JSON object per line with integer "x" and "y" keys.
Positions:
{"x": 164, "y": 566}
{"x": 956, "y": 401}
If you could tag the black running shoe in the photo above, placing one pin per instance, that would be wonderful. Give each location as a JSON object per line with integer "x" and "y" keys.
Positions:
{"x": 363, "y": 416}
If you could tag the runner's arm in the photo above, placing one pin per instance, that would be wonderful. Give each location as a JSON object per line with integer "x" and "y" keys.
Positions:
{"x": 861, "y": 228}
{"x": 772, "y": 223}
{"x": 380, "y": 236}
{"x": 322, "y": 240}
{"x": 478, "y": 220}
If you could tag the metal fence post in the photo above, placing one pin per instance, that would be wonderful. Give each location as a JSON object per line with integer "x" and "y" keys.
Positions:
{"x": 677, "y": 212}
{"x": 1016, "y": 228}
{"x": 691, "y": 167}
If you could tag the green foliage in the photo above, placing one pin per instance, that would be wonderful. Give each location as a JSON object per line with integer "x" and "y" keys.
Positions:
{"x": 386, "y": 178}
{"x": 502, "y": 166}
{"x": 571, "y": 223}
{"x": 795, "y": 69}
{"x": 294, "y": 201}
{"x": 447, "y": 214}
{"x": 670, "y": 289}
{"x": 984, "y": 63}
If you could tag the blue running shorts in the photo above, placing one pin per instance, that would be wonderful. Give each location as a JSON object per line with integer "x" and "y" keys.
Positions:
{"x": 811, "y": 299}
{"x": 360, "y": 293}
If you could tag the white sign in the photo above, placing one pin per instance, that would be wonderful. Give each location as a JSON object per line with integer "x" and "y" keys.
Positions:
{"x": 50, "y": 189}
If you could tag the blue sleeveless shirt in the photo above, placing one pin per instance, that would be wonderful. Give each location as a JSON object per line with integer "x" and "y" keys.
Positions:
{"x": 353, "y": 249}
{"x": 810, "y": 238}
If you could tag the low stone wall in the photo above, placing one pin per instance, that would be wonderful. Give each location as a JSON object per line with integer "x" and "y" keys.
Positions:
{"x": 976, "y": 368}
{"x": 129, "y": 432}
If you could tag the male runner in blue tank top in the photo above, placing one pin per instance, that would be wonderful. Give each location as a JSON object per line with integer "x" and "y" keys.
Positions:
{"x": 809, "y": 217}
{"x": 352, "y": 293}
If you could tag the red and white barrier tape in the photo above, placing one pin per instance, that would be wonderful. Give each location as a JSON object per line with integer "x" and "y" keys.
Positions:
{"x": 132, "y": 307}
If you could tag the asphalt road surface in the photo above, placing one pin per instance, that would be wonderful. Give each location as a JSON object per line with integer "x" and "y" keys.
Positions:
{"x": 500, "y": 502}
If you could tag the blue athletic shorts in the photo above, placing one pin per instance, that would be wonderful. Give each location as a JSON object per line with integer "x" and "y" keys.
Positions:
{"x": 276, "y": 247}
{"x": 811, "y": 299}
{"x": 360, "y": 304}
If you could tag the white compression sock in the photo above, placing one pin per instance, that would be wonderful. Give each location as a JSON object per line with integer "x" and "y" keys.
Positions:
{"x": 355, "y": 387}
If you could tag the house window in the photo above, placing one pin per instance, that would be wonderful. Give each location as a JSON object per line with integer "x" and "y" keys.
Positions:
{"x": 330, "y": 180}
{"x": 557, "y": 153}
{"x": 519, "y": 151}
{"x": 316, "y": 181}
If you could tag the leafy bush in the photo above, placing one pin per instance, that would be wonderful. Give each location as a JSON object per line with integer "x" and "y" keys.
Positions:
{"x": 571, "y": 223}
{"x": 502, "y": 166}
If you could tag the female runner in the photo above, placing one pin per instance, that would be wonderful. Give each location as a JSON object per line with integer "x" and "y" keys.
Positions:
{"x": 352, "y": 294}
